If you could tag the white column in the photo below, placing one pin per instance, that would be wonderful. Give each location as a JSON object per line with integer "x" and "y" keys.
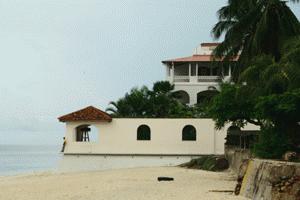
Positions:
{"x": 193, "y": 97}
{"x": 172, "y": 72}
{"x": 229, "y": 72}
{"x": 168, "y": 72}
{"x": 197, "y": 69}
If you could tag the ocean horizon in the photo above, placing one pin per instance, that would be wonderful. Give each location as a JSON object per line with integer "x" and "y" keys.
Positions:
{"x": 23, "y": 159}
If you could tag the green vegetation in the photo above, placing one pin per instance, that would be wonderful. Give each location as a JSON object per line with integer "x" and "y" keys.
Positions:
{"x": 159, "y": 102}
{"x": 253, "y": 28}
{"x": 266, "y": 91}
{"x": 209, "y": 163}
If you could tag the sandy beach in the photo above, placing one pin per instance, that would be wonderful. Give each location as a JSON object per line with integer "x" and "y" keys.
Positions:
{"x": 133, "y": 184}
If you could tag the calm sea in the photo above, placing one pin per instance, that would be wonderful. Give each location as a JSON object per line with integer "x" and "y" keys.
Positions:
{"x": 19, "y": 159}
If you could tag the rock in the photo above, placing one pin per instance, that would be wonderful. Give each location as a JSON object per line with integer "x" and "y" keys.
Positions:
{"x": 289, "y": 156}
{"x": 283, "y": 188}
{"x": 289, "y": 185}
{"x": 297, "y": 171}
{"x": 221, "y": 164}
{"x": 277, "y": 185}
{"x": 165, "y": 178}
{"x": 210, "y": 163}
{"x": 287, "y": 171}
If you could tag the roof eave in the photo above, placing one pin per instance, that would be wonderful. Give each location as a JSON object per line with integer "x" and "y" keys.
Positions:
{"x": 86, "y": 120}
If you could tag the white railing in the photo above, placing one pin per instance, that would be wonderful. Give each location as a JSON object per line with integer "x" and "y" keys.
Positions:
{"x": 195, "y": 79}
{"x": 208, "y": 78}
{"x": 181, "y": 79}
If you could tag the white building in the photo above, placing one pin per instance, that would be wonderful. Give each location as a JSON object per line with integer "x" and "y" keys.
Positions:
{"x": 95, "y": 140}
{"x": 198, "y": 76}
{"x": 124, "y": 142}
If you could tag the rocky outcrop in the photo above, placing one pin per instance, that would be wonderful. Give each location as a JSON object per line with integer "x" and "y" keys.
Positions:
{"x": 209, "y": 163}
{"x": 270, "y": 180}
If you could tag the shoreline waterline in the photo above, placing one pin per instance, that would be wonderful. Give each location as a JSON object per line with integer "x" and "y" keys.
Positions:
{"x": 20, "y": 159}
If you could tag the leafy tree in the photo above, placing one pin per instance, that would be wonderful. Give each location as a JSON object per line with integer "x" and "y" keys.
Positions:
{"x": 232, "y": 105}
{"x": 265, "y": 36}
{"x": 268, "y": 95}
{"x": 271, "y": 144}
{"x": 160, "y": 102}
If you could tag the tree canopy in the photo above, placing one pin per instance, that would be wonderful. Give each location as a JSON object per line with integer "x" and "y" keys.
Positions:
{"x": 268, "y": 95}
{"x": 160, "y": 102}
{"x": 252, "y": 28}
{"x": 265, "y": 35}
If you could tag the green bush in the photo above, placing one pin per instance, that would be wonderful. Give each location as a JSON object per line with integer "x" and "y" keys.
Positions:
{"x": 271, "y": 144}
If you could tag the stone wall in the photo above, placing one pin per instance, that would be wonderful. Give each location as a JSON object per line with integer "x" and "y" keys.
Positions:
{"x": 271, "y": 180}
{"x": 235, "y": 157}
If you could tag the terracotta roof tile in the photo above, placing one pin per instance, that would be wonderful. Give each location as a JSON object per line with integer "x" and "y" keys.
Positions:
{"x": 210, "y": 44}
{"x": 195, "y": 58}
{"x": 86, "y": 114}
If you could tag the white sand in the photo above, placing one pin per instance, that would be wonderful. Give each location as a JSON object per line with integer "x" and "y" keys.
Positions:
{"x": 123, "y": 184}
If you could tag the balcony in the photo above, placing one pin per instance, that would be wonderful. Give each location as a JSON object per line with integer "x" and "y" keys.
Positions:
{"x": 199, "y": 72}
{"x": 196, "y": 79}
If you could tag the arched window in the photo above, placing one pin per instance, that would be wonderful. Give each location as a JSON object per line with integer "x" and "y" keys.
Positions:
{"x": 143, "y": 132}
{"x": 86, "y": 133}
{"x": 189, "y": 133}
{"x": 207, "y": 95}
{"x": 182, "y": 96}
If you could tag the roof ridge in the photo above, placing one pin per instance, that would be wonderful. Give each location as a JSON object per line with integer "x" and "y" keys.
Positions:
{"x": 85, "y": 114}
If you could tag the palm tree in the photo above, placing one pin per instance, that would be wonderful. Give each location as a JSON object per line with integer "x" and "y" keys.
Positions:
{"x": 252, "y": 28}
{"x": 264, "y": 76}
{"x": 133, "y": 104}
{"x": 158, "y": 102}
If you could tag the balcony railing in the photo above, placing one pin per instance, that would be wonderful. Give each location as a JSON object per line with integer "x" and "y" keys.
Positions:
{"x": 181, "y": 79}
{"x": 209, "y": 78}
{"x": 195, "y": 79}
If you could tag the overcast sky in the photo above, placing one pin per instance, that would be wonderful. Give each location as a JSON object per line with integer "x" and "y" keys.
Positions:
{"x": 60, "y": 56}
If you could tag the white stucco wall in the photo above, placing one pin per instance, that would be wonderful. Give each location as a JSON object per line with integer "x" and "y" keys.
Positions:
{"x": 203, "y": 50}
{"x": 76, "y": 163}
{"x": 118, "y": 146}
{"x": 119, "y": 137}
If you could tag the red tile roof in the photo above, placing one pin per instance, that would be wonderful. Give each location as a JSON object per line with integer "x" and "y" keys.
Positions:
{"x": 210, "y": 44}
{"x": 86, "y": 114}
{"x": 195, "y": 58}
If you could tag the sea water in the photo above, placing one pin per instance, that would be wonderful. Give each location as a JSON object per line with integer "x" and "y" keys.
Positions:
{"x": 21, "y": 159}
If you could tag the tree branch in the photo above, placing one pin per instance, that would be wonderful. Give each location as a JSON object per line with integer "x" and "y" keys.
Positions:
{"x": 255, "y": 122}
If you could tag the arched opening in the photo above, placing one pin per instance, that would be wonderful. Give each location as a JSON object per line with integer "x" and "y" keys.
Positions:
{"x": 143, "y": 132}
{"x": 189, "y": 133}
{"x": 86, "y": 133}
{"x": 182, "y": 96}
{"x": 243, "y": 139}
{"x": 211, "y": 88}
{"x": 207, "y": 95}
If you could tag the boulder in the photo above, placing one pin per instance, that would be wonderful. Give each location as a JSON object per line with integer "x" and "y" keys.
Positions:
{"x": 210, "y": 163}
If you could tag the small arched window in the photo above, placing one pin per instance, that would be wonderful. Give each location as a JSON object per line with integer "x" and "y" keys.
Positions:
{"x": 86, "y": 133}
{"x": 143, "y": 132}
{"x": 189, "y": 133}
